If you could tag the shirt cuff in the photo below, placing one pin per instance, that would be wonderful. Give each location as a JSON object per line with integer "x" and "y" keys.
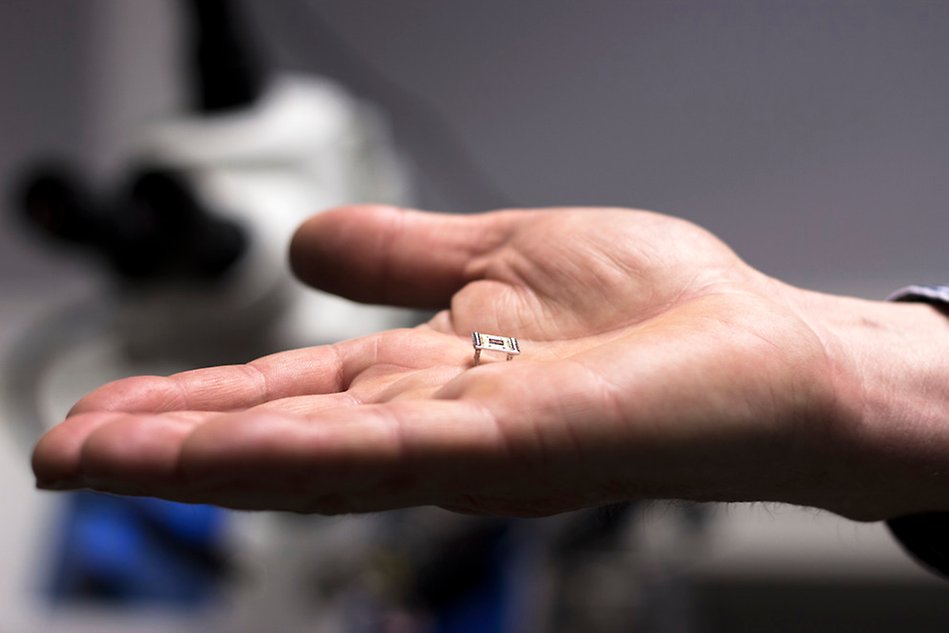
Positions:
{"x": 925, "y": 536}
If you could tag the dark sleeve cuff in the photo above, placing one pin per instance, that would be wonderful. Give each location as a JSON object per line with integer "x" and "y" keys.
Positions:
{"x": 925, "y": 537}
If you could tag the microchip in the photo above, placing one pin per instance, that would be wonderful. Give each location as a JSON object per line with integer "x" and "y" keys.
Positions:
{"x": 494, "y": 343}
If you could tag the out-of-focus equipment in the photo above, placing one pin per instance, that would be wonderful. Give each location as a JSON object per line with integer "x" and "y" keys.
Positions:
{"x": 193, "y": 234}
{"x": 197, "y": 228}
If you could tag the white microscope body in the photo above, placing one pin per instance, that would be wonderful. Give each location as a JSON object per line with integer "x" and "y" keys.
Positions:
{"x": 304, "y": 147}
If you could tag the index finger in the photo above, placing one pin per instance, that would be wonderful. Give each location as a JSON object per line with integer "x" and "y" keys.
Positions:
{"x": 301, "y": 372}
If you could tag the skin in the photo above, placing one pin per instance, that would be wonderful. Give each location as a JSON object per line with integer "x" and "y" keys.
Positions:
{"x": 655, "y": 364}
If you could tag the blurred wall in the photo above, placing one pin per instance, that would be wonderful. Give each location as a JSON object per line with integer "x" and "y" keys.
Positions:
{"x": 811, "y": 135}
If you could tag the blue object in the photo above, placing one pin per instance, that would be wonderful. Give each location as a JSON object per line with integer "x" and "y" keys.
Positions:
{"x": 137, "y": 551}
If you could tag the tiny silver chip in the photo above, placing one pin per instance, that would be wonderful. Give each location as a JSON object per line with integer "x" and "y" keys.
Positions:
{"x": 494, "y": 343}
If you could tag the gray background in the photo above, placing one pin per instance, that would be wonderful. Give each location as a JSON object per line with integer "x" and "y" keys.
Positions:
{"x": 810, "y": 135}
{"x": 813, "y": 136}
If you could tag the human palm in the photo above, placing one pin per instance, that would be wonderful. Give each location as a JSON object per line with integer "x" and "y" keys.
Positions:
{"x": 655, "y": 364}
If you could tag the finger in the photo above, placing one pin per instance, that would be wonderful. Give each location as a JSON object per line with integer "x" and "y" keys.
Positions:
{"x": 348, "y": 460}
{"x": 309, "y": 371}
{"x": 304, "y": 371}
{"x": 138, "y": 451}
{"x": 381, "y": 254}
{"x": 384, "y": 385}
{"x": 58, "y": 454}
{"x": 315, "y": 370}
{"x": 303, "y": 406}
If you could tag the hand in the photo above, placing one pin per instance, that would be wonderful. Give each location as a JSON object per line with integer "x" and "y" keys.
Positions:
{"x": 655, "y": 363}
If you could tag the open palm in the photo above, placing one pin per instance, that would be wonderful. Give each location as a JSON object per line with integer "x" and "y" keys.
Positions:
{"x": 654, "y": 363}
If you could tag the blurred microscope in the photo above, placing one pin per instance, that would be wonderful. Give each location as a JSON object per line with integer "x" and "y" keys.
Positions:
{"x": 193, "y": 235}
{"x": 197, "y": 225}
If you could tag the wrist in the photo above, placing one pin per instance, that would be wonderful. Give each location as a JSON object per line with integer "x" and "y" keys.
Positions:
{"x": 892, "y": 425}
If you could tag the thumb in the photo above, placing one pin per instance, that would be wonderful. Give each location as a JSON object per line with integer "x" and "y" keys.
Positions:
{"x": 401, "y": 257}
